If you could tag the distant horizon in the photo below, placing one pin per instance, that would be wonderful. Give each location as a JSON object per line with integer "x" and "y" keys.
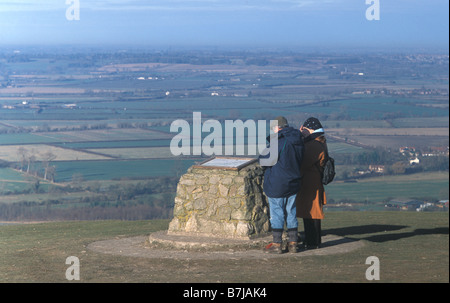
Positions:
{"x": 116, "y": 47}
{"x": 249, "y": 24}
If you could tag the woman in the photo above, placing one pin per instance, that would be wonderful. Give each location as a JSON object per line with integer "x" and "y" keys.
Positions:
{"x": 311, "y": 197}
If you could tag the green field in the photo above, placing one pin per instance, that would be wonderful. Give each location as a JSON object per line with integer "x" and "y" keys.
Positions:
{"x": 107, "y": 170}
{"x": 418, "y": 122}
{"x": 425, "y": 185}
{"x": 14, "y": 181}
{"x": 10, "y": 175}
{"x": 113, "y": 144}
{"x": 411, "y": 247}
{"x": 105, "y": 135}
{"x": 13, "y": 139}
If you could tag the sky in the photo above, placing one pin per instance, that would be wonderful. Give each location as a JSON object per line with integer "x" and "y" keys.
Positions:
{"x": 216, "y": 23}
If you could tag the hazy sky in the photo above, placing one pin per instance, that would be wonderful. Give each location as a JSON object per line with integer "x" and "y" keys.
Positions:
{"x": 244, "y": 23}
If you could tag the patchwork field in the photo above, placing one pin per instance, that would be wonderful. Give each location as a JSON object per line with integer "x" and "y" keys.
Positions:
{"x": 418, "y": 131}
{"x": 105, "y": 135}
{"x": 135, "y": 152}
{"x": 12, "y": 153}
{"x": 418, "y": 137}
{"x": 99, "y": 117}
{"x": 395, "y": 142}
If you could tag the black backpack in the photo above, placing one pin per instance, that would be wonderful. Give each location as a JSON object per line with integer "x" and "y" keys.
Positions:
{"x": 328, "y": 170}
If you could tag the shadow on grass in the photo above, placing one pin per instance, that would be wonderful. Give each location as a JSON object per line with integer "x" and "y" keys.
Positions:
{"x": 362, "y": 229}
{"x": 417, "y": 232}
{"x": 378, "y": 228}
{"x": 337, "y": 242}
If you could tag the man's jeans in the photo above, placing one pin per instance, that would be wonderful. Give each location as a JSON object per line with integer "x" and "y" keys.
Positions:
{"x": 283, "y": 210}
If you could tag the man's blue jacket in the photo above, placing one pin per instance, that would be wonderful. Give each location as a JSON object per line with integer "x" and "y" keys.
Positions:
{"x": 284, "y": 178}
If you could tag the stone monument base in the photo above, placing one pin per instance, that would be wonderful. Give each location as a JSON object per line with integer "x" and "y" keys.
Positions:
{"x": 185, "y": 241}
{"x": 224, "y": 202}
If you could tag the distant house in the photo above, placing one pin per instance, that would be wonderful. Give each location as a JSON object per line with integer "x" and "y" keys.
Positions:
{"x": 376, "y": 168}
{"x": 414, "y": 161}
{"x": 407, "y": 150}
{"x": 440, "y": 150}
{"x": 442, "y": 203}
{"x": 436, "y": 151}
{"x": 424, "y": 206}
{"x": 404, "y": 204}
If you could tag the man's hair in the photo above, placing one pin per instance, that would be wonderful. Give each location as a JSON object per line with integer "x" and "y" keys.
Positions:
{"x": 282, "y": 122}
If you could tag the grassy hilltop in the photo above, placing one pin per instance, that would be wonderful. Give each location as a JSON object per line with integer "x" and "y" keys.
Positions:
{"x": 411, "y": 247}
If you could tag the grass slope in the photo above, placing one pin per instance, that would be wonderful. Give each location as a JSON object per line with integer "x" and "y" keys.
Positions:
{"x": 411, "y": 247}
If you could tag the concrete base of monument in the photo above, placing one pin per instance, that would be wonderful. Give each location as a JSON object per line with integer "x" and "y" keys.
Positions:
{"x": 201, "y": 242}
{"x": 159, "y": 245}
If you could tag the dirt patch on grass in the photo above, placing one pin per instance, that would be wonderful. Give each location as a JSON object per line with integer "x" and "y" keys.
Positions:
{"x": 139, "y": 247}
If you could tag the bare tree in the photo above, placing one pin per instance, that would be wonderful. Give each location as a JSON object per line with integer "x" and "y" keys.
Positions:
{"x": 22, "y": 152}
{"x": 47, "y": 158}
{"x": 51, "y": 173}
{"x": 31, "y": 158}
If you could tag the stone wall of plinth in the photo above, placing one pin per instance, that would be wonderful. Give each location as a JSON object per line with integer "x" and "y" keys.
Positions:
{"x": 221, "y": 203}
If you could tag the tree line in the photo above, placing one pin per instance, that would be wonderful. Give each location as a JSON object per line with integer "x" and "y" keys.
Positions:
{"x": 151, "y": 199}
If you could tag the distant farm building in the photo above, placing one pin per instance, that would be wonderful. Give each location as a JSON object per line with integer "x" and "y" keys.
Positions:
{"x": 401, "y": 204}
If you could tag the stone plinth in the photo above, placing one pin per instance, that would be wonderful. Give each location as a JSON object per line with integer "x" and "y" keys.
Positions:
{"x": 217, "y": 202}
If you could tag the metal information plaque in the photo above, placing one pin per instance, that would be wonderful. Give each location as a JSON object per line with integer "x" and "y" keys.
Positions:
{"x": 231, "y": 163}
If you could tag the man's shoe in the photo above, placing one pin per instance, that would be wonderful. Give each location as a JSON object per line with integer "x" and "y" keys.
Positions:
{"x": 293, "y": 247}
{"x": 273, "y": 248}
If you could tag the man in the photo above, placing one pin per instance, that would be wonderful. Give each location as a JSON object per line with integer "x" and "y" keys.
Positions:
{"x": 282, "y": 181}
